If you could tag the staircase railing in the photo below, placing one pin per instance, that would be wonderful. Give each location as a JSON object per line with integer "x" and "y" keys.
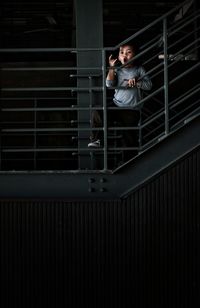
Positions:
{"x": 40, "y": 123}
{"x": 170, "y": 51}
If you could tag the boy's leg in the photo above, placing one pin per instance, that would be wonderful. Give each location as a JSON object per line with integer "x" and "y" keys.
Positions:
{"x": 96, "y": 121}
{"x": 131, "y": 138}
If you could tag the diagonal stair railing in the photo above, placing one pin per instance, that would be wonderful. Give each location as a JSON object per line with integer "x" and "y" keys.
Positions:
{"x": 170, "y": 52}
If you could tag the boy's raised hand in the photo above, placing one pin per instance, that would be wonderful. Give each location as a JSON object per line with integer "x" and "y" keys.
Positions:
{"x": 112, "y": 61}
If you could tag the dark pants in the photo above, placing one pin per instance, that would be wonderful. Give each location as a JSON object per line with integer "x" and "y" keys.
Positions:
{"x": 120, "y": 117}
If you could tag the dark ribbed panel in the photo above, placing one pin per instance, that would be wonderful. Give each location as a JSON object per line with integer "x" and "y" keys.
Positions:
{"x": 140, "y": 252}
{"x": 167, "y": 230}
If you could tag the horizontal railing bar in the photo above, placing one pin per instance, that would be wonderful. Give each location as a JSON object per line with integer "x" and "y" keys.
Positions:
{"x": 19, "y": 109}
{"x": 32, "y": 134}
{"x": 47, "y": 150}
{"x": 74, "y": 129}
{"x": 122, "y": 128}
{"x": 27, "y": 159}
{"x": 25, "y": 150}
{"x": 33, "y": 99}
{"x": 75, "y": 89}
{"x": 54, "y": 68}
{"x": 46, "y": 50}
{"x": 84, "y": 75}
{"x": 66, "y": 129}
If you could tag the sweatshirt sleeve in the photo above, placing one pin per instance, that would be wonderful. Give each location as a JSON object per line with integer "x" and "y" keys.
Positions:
{"x": 110, "y": 83}
{"x": 144, "y": 81}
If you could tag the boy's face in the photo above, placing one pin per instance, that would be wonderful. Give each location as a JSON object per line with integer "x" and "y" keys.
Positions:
{"x": 126, "y": 53}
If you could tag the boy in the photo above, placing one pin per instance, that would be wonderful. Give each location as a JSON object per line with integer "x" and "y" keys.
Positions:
{"x": 131, "y": 79}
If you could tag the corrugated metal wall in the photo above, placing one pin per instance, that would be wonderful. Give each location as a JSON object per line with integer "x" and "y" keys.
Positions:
{"x": 140, "y": 252}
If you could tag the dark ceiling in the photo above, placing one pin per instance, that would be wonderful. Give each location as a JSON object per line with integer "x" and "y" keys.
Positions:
{"x": 36, "y": 24}
{"x": 51, "y": 23}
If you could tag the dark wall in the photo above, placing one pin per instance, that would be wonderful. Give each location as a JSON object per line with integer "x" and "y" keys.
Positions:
{"x": 140, "y": 252}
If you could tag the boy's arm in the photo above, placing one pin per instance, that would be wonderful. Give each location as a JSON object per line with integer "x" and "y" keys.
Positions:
{"x": 144, "y": 81}
{"x": 111, "y": 76}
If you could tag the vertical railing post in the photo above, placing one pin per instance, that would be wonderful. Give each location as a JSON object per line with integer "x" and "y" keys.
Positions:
{"x": 196, "y": 35}
{"x": 105, "y": 128}
{"x": 35, "y": 133}
{"x": 0, "y": 140}
{"x": 166, "y": 84}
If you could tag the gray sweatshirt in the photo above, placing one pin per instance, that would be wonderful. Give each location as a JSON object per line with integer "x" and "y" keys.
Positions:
{"x": 126, "y": 96}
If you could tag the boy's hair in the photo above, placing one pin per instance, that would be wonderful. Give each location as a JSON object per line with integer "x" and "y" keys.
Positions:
{"x": 130, "y": 45}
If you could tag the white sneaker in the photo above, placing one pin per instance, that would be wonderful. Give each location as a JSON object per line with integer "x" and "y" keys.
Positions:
{"x": 94, "y": 144}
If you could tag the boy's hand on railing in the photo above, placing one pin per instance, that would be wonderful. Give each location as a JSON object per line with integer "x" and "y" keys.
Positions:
{"x": 131, "y": 82}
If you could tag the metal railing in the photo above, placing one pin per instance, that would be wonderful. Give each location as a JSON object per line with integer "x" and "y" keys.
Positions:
{"x": 40, "y": 104}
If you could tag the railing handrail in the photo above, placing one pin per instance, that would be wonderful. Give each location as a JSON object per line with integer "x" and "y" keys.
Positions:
{"x": 50, "y": 49}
